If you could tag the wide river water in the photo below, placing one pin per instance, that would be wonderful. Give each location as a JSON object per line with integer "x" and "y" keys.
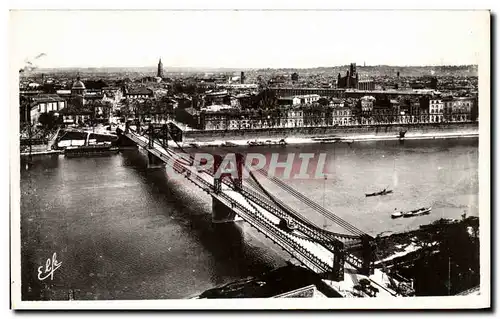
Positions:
{"x": 125, "y": 231}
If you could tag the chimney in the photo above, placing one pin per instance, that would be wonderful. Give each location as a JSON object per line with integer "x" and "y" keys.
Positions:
{"x": 242, "y": 77}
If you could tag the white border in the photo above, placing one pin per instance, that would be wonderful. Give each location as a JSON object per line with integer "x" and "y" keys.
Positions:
{"x": 378, "y": 303}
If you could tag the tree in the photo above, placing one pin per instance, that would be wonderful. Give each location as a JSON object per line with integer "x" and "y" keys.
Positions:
{"x": 323, "y": 101}
{"x": 49, "y": 120}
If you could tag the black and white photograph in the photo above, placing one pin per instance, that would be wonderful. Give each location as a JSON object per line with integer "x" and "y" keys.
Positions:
{"x": 210, "y": 159}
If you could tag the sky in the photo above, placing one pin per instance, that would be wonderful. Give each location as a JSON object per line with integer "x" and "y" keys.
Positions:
{"x": 246, "y": 39}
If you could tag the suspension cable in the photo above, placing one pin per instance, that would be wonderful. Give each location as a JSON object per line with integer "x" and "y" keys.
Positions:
{"x": 314, "y": 205}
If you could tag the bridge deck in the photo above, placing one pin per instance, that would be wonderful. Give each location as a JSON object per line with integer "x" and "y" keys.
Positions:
{"x": 310, "y": 253}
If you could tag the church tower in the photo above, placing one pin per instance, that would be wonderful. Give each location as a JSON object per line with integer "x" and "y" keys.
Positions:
{"x": 160, "y": 69}
{"x": 78, "y": 91}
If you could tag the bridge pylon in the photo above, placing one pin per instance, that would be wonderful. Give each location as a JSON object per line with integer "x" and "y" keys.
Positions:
{"x": 165, "y": 134}
{"x": 338, "y": 261}
{"x": 235, "y": 174}
{"x": 138, "y": 126}
{"x": 151, "y": 139}
{"x": 221, "y": 213}
{"x": 153, "y": 160}
{"x": 368, "y": 255}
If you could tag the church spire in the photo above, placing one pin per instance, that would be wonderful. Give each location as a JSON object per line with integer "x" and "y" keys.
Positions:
{"x": 160, "y": 69}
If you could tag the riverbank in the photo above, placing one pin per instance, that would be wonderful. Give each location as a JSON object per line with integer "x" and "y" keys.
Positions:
{"x": 38, "y": 153}
{"x": 322, "y": 140}
{"x": 305, "y": 134}
{"x": 441, "y": 258}
{"x": 283, "y": 142}
{"x": 400, "y": 254}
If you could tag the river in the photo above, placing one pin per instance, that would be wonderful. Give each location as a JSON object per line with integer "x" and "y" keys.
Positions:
{"x": 125, "y": 231}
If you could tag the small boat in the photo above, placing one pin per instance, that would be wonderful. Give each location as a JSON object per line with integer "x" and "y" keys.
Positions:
{"x": 229, "y": 144}
{"x": 283, "y": 142}
{"x": 90, "y": 150}
{"x": 418, "y": 212}
{"x": 412, "y": 213}
{"x": 396, "y": 215}
{"x": 402, "y": 134}
{"x": 382, "y": 192}
{"x": 252, "y": 143}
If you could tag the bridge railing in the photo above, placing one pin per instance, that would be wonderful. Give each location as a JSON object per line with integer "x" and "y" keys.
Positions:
{"x": 279, "y": 237}
{"x": 297, "y": 248}
{"x": 293, "y": 239}
{"x": 350, "y": 258}
{"x": 306, "y": 225}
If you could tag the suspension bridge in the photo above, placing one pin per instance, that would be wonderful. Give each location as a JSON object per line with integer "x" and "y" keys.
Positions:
{"x": 341, "y": 259}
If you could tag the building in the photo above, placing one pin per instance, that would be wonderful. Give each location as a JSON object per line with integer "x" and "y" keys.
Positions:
{"x": 220, "y": 97}
{"x": 462, "y": 109}
{"x": 113, "y": 95}
{"x": 293, "y": 91}
{"x": 316, "y": 116}
{"x": 436, "y": 111}
{"x": 367, "y": 103}
{"x": 45, "y": 104}
{"x": 298, "y": 99}
{"x": 239, "y": 86}
{"x": 342, "y": 116}
{"x": 448, "y": 105}
{"x": 350, "y": 80}
{"x": 288, "y": 101}
{"x": 384, "y": 114}
{"x": 334, "y": 102}
{"x": 76, "y": 113}
{"x": 308, "y": 98}
{"x": 293, "y": 117}
{"x": 366, "y": 85}
{"x": 216, "y": 107}
{"x": 65, "y": 94}
{"x": 159, "y": 73}
{"x": 138, "y": 93}
{"x": 78, "y": 88}
{"x": 365, "y": 110}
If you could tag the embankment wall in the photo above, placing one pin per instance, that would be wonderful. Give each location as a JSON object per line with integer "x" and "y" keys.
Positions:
{"x": 390, "y": 130}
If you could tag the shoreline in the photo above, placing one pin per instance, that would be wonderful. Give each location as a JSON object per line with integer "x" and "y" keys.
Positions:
{"x": 264, "y": 141}
{"x": 297, "y": 141}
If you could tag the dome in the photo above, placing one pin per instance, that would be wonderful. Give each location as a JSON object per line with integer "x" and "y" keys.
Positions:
{"x": 78, "y": 85}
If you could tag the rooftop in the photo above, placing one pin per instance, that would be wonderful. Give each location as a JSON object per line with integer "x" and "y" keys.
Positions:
{"x": 44, "y": 98}
{"x": 140, "y": 91}
{"x": 78, "y": 85}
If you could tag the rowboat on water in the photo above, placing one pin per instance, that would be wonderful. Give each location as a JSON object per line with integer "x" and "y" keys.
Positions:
{"x": 412, "y": 213}
{"x": 382, "y": 192}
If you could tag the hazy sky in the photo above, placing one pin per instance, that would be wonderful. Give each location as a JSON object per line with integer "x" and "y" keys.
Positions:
{"x": 247, "y": 39}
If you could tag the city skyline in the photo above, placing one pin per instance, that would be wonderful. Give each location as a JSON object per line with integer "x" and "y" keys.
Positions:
{"x": 242, "y": 39}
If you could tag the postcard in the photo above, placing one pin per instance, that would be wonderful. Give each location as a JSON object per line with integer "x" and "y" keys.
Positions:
{"x": 227, "y": 159}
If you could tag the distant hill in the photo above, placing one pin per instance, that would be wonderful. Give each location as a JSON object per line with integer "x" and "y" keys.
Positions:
{"x": 388, "y": 70}
{"x": 144, "y": 69}
{"x": 370, "y": 71}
